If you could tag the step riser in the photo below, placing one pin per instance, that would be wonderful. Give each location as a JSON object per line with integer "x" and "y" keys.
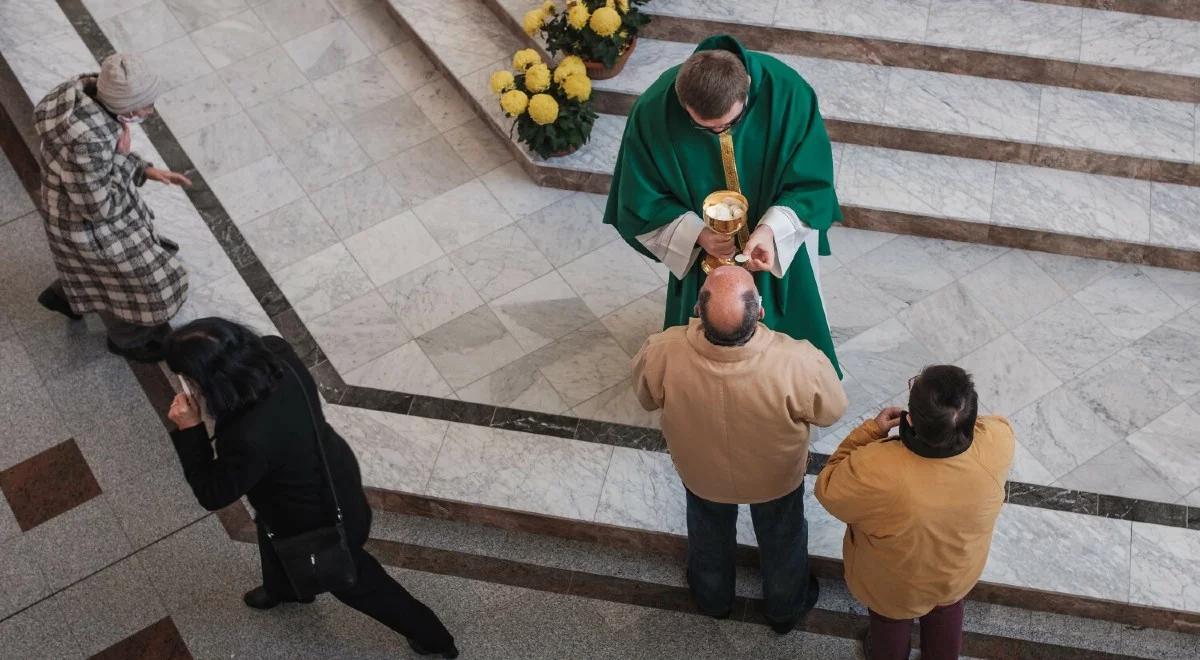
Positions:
{"x": 1183, "y": 9}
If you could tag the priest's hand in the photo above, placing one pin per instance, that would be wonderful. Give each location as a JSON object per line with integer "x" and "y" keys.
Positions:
{"x": 718, "y": 245}
{"x": 761, "y": 249}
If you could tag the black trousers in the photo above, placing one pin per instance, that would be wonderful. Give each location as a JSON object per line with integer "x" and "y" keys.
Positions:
{"x": 376, "y": 594}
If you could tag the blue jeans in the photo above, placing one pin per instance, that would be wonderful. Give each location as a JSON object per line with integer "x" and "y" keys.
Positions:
{"x": 782, "y": 534}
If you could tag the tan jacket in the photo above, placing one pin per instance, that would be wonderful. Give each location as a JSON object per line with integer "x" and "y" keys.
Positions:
{"x": 918, "y": 529}
{"x": 736, "y": 418}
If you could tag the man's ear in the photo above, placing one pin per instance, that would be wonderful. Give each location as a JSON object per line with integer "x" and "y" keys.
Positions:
{"x": 762, "y": 313}
{"x": 696, "y": 311}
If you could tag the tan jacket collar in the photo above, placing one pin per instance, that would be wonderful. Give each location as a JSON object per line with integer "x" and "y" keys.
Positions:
{"x": 699, "y": 343}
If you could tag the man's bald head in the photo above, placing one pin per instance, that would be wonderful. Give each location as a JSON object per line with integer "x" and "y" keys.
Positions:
{"x": 729, "y": 308}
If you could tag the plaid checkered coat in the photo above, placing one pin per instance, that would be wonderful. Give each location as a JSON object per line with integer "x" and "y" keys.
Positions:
{"x": 100, "y": 230}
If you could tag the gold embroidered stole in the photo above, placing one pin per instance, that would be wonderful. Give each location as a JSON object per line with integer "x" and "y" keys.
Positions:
{"x": 729, "y": 163}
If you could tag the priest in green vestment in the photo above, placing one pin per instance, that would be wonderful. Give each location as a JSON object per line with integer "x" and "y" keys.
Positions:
{"x": 731, "y": 119}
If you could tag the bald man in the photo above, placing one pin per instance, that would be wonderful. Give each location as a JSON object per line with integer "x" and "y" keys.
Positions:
{"x": 738, "y": 399}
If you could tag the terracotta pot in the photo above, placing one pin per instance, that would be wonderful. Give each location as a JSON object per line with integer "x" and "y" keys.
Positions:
{"x": 564, "y": 152}
{"x": 597, "y": 70}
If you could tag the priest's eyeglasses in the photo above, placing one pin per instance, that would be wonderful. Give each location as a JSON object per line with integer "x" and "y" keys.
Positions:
{"x": 720, "y": 129}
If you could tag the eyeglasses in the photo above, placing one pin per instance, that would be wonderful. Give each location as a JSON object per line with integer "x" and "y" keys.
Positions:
{"x": 724, "y": 127}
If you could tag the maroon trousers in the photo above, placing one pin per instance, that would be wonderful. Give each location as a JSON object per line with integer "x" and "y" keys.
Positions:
{"x": 941, "y": 635}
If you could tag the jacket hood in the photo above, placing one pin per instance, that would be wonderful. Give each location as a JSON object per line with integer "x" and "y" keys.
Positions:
{"x": 69, "y": 115}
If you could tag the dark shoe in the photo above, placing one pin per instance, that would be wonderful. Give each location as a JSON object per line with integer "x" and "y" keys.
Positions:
{"x": 450, "y": 653}
{"x": 687, "y": 577}
{"x": 259, "y": 599}
{"x": 50, "y": 299}
{"x": 146, "y": 353}
{"x": 814, "y": 593}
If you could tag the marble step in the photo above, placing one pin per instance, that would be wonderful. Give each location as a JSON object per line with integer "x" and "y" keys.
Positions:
{"x": 1122, "y": 571}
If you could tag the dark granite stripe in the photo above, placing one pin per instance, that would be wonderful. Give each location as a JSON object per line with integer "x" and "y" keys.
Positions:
{"x": 984, "y": 64}
{"x": 158, "y": 641}
{"x": 1193, "y": 518}
{"x": 1185, "y": 9}
{"x": 452, "y": 410}
{"x": 1050, "y": 497}
{"x": 558, "y": 426}
{"x": 381, "y": 400}
{"x": 1143, "y": 511}
{"x": 621, "y": 435}
{"x": 48, "y": 484}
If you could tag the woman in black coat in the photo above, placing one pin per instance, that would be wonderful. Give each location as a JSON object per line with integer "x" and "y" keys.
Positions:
{"x": 266, "y": 449}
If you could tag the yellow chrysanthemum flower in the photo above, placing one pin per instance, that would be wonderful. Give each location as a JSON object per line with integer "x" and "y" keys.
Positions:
{"x": 537, "y": 78}
{"x": 548, "y": 6}
{"x": 501, "y": 82}
{"x": 570, "y": 65}
{"x": 525, "y": 58}
{"x": 578, "y": 15}
{"x": 623, "y": 6}
{"x": 605, "y": 21}
{"x": 577, "y": 87}
{"x": 534, "y": 20}
{"x": 543, "y": 109}
{"x": 514, "y": 102}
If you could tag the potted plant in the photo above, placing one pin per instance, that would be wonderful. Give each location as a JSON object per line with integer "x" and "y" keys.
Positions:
{"x": 552, "y": 109}
{"x": 601, "y": 32}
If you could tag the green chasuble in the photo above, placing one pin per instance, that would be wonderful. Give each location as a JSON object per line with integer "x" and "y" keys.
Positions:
{"x": 667, "y": 166}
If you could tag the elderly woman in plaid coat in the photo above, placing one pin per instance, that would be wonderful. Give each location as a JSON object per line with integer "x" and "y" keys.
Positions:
{"x": 109, "y": 258}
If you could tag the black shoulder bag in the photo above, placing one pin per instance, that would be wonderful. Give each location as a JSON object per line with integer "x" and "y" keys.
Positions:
{"x": 319, "y": 560}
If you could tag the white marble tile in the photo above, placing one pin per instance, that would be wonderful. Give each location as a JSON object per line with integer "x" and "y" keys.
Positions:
{"x": 918, "y": 183}
{"x": 196, "y": 14}
{"x": 619, "y": 405}
{"x": 901, "y": 20}
{"x": 288, "y": 19}
{"x": 964, "y": 105}
{"x": 409, "y": 65}
{"x": 542, "y": 311}
{"x": 359, "y": 202}
{"x": 225, "y": 145}
{"x": 228, "y": 297}
{"x": 138, "y": 29}
{"x": 292, "y": 117}
{"x": 649, "y": 60}
{"x": 1026, "y": 468}
{"x": 1112, "y": 123}
{"x": 568, "y": 229}
{"x": 519, "y": 384}
{"x": 377, "y": 28}
{"x": 850, "y": 306}
{"x": 405, "y": 369}
{"x": 1162, "y": 567}
{"x": 846, "y": 90}
{"x": 393, "y": 248}
{"x": 460, "y": 216}
{"x": 1182, "y": 285}
{"x": 200, "y": 103}
{"x": 326, "y": 50}
{"x": 258, "y": 188}
{"x": 177, "y": 62}
{"x": 466, "y": 36}
{"x": 1062, "y": 432}
{"x": 847, "y": 243}
{"x": 901, "y": 272}
{"x": 634, "y": 323}
{"x": 427, "y": 171}
{"x": 884, "y": 358}
{"x": 323, "y": 282}
{"x": 1173, "y": 214}
{"x": 1007, "y": 376}
{"x": 358, "y": 332}
{"x": 1125, "y": 392}
{"x": 1170, "y": 445}
{"x": 1006, "y": 26}
{"x": 348, "y": 7}
{"x": 233, "y": 39}
{"x": 105, "y": 9}
{"x": 643, "y": 491}
{"x": 26, "y": 21}
{"x": 1138, "y": 41}
{"x": 199, "y": 250}
{"x": 610, "y": 278}
{"x": 261, "y": 78}
{"x": 395, "y": 452}
{"x": 430, "y": 296}
{"x": 1173, "y": 352}
{"x": 520, "y": 471}
{"x": 443, "y": 104}
{"x": 1073, "y": 203}
{"x": 470, "y": 346}
{"x": 45, "y": 62}
{"x": 500, "y": 262}
{"x": 599, "y": 155}
{"x": 1119, "y": 470}
{"x": 1076, "y": 553}
{"x": 478, "y": 146}
{"x": 399, "y": 125}
{"x": 1013, "y": 288}
{"x": 324, "y": 158}
{"x": 1067, "y": 339}
{"x": 1071, "y": 273}
{"x": 950, "y": 323}
{"x": 584, "y": 363}
{"x": 1128, "y": 303}
{"x": 960, "y": 259}
{"x": 288, "y": 234}
{"x": 358, "y": 87}
{"x": 518, "y": 193}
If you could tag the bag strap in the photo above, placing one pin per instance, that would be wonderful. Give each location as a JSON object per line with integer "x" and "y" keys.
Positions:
{"x": 312, "y": 415}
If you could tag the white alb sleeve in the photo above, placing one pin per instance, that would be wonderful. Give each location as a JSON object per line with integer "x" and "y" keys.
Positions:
{"x": 675, "y": 244}
{"x": 790, "y": 233}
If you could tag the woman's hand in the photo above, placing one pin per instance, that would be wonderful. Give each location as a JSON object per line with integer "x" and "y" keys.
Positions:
{"x": 125, "y": 141}
{"x": 168, "y": 177}
{"x": 184, "y": 412}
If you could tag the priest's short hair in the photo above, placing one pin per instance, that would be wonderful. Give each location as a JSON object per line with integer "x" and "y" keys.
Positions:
{"x": 711, "y": 81}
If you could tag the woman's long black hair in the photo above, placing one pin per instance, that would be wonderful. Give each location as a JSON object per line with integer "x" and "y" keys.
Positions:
{"x": 227, "y": 361}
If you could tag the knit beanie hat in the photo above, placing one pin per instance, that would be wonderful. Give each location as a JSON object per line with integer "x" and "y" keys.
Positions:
{"x": 126, "y": 83}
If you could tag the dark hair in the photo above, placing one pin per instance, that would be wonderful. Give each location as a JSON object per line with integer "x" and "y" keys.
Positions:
{"x": 227, "y": 361}
{"x": 711, "y": 81}
{"x": 943, "y": 406}
{"x": 735, "y": 336}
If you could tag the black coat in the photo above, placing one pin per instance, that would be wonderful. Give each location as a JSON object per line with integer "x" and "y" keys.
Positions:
{"x": 269, "y": 454}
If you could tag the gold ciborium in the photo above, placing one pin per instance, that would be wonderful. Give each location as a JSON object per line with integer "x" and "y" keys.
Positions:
{"x": 725, "y": 213}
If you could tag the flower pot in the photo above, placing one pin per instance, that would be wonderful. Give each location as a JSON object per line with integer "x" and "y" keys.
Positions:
{"x": 564, "y": 152}
{"x": 597, "y": 70}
